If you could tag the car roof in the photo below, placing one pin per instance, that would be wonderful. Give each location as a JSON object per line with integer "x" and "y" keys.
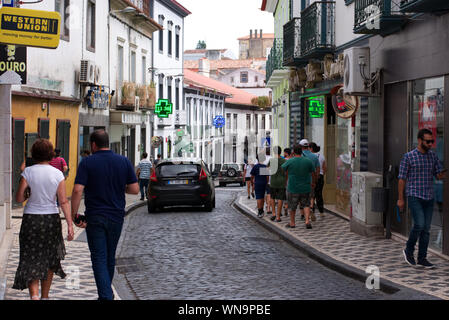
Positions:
{"x": 183, "y": 160}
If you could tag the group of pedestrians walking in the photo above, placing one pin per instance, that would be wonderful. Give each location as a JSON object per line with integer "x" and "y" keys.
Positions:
{"x": 103, "y": 178}
{"x": 295, "y": 179}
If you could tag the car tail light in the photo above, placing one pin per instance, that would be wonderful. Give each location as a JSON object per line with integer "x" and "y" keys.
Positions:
{"x": 153, "y": 176}
{"x": 203, "y": 175}
{"x": 203, "y": 195}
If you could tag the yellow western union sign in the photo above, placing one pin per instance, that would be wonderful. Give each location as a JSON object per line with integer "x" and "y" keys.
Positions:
{"x": 32, "y": 28}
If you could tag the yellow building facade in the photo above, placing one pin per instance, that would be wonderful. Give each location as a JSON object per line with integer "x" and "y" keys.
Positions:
{"x": 38, "y": 117}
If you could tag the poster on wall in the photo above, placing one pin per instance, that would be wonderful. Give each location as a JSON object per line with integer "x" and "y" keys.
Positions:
{"x": 428, "y": 115}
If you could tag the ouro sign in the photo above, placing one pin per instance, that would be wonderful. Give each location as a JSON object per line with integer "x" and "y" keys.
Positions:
{"x": 14, "y": 58}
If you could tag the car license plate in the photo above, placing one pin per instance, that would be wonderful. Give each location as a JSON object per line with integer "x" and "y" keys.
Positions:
{"x": 178, "y": 182}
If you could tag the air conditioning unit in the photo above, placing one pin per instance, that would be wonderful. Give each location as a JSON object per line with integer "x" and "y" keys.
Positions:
{"x": 356, "y": 63}
{"x": 87, "y": 72}
{"x": 136, "y": 104}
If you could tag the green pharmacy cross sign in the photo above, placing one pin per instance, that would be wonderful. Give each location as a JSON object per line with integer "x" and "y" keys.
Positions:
{"x": 316, "y": 107}
{"x": 163, "y": 108}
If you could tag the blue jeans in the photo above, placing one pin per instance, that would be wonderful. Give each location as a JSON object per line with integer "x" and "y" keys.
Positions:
{"x": 422, "y": 211}
{"x": 103, "y": 235}
{"x": 143, "y": 183}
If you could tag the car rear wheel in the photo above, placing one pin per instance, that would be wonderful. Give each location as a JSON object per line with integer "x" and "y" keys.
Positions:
{"x": 231, "y": 172}
{"x": 151, "y": 207}
{"x": 209, "y": 206}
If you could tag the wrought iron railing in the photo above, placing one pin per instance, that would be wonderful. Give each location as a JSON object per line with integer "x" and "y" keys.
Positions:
{"x": 142, "y": 5}
{"x": 318, "y": 27}
{"x": 424, "y": 5}
{"x": 292, "y": 41}
{"x": 365, "y": 9}
{"x": 275, "y": 58}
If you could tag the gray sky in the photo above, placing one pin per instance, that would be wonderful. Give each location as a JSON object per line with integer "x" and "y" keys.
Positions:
{"x": 221, "y": 22}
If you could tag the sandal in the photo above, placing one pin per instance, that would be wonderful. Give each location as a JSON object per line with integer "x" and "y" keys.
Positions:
{"x": 273, "y": 218}
{"x": 278, "y": 220}
{"x": 289, "y": 226}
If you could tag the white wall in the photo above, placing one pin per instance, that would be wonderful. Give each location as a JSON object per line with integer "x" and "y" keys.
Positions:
{"x": 344, "y": 23}
{"x": 252, "y": 74}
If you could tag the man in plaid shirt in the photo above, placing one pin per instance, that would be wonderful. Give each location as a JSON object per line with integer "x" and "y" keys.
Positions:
{"x": 416, "y": 175}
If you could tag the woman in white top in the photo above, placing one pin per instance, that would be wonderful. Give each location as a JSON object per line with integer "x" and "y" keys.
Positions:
{"x": 247, "y": 174}
{"x": 41, "y": 241}
{"x": 320, "y": 183}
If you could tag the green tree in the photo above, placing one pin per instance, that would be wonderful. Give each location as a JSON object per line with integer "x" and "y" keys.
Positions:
{"x": 201, "y": 44}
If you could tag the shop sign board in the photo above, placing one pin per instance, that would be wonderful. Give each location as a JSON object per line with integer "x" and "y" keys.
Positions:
{"x": 31, "y": 28}
{"x": 14, "y": 58}
{"x": 316, "y": 106}
{"x": 163, "y": 108}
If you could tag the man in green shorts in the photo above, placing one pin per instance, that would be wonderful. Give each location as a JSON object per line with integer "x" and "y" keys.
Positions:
{"x": 277, "y": 184}
{"x": 300, "y": 173}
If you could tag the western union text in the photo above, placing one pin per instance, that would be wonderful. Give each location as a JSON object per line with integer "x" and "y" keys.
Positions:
{"x": 29, "y": 24}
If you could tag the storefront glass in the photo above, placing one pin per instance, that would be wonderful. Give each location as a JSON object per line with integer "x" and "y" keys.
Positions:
{"x": 343, "y": 165}
{"x": 428, "y": 112}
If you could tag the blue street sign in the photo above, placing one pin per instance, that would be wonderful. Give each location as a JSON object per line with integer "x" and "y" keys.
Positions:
{"x": 8, "y": 3}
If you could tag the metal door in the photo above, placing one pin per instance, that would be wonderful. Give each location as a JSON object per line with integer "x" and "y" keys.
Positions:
{"x": 395, "y": 146}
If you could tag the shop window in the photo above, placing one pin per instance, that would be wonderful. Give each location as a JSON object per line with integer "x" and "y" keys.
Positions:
{"x": 428, "y": 112}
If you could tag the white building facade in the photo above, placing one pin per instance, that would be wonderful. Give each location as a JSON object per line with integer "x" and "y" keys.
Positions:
{"x": 168, "y": 49}
{"x": 247, "y": 79}
{"x": 131, "y": 56}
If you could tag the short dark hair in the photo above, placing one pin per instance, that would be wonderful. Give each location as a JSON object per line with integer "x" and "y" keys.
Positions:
{"x": 288, "y": 151}
{"x": 57, "y": 152}
{"x": 101, "y": 138}
{"x": 42, "y": 151}
{"x": 144, "y": 155}
{"x": 277, "y": 150}
{"x": 297, "y": 149}
{"x": 315, "y": 148}
{"x": 423, "y": 132}
{"x": 159, "y": 156}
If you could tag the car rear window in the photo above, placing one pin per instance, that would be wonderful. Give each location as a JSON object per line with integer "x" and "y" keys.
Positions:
{"x": 174, "y": 170}
{"x": 228, "y": 166}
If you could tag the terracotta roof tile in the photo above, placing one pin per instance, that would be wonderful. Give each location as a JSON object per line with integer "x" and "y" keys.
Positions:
{"x": 236, "y": 96}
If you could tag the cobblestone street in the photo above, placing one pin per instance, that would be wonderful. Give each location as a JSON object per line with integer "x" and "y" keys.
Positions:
{"x": 184, "y": 253}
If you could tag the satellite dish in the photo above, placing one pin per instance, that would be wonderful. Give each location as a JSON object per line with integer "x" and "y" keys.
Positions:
{"x": 345, "y": 105}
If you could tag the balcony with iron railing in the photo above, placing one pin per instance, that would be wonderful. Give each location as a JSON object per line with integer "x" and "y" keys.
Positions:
{"x": 318, "y": 30}
{"x": 141, "y": 5}
{"x": 292, "y": 43}
{"x": 275, "y": 58}
{"x": 433, "y": 6}
{"x": 377, "y": 17}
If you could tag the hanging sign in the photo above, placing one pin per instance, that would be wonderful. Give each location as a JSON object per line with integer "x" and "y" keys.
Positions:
{"x": 219, "y": 122}
{"x": 31, "y": 28}
{"x": 14, "y": 58}
{"x": 163, "y": 108}
{"x": 316, "y": 105}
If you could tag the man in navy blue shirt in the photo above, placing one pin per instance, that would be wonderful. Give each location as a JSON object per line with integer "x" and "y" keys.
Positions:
{"x": 104, "y": 178}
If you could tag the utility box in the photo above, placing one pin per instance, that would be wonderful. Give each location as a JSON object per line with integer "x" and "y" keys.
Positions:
{"x": 365, "y": 220}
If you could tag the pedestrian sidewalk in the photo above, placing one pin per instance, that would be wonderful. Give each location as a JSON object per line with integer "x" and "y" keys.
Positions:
{"x": 79, "y": 283}
{"x": 331, "y": 242}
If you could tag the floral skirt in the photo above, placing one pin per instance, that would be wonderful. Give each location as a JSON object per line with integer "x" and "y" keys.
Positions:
{"x": 41, "y": 249}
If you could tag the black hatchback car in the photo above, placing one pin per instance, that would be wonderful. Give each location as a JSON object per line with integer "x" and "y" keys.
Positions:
{"x": 179, "y": 182}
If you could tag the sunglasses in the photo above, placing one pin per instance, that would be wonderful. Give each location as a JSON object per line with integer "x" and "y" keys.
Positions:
{"x": 429, "y": 141}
